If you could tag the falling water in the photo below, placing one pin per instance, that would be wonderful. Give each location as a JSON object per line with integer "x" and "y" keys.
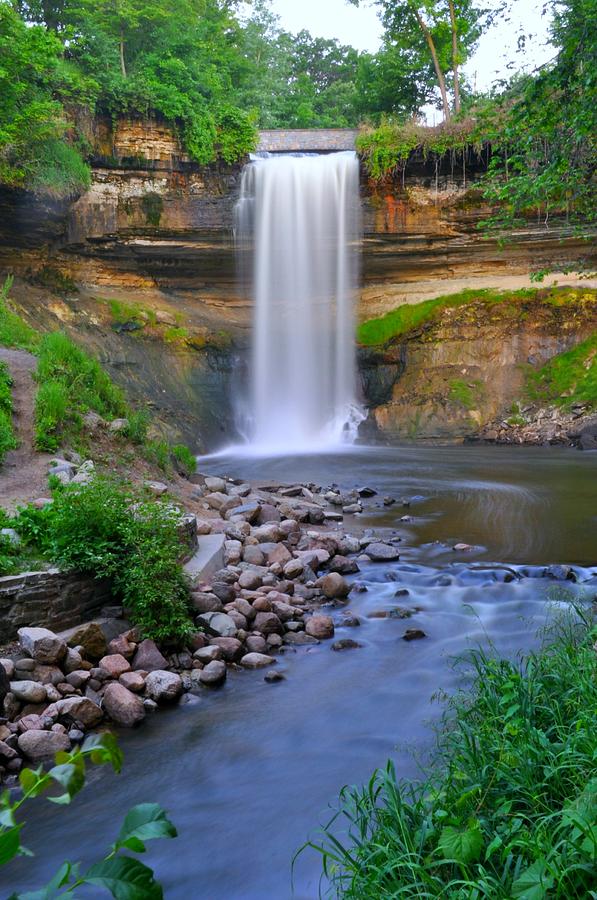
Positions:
{"x": 300, "y": 217}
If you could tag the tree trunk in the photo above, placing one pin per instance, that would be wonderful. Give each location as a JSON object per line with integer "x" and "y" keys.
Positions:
{"x": 122, "y": 65}
{"x": 455, "y": 57}
{"x": 440, "y": 75}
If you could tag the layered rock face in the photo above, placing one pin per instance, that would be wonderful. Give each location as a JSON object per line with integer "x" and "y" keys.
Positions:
{"x": 155, "y": 234}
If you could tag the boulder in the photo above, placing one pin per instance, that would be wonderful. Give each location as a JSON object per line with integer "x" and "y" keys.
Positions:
{"x": 39, "y": 745}
{"x": 320, "y": 627}
{"x": 114, "y": 664}
{"x": 163, "y": 687}
{"x": 28, "y": 691}
{"x": 218, "y": 624}
{"x": 41, "y": 644}
{"x": 380, "y": 552}
{"x": 148, "y": 658}
{"x": 256, "y": 661}
{"x": 213, "y": 673}
{"x": 91, "y": 638}
{"x": 334, "y": 586}
{"x": 80, "y": 709}
{"x": 123, "y": 707}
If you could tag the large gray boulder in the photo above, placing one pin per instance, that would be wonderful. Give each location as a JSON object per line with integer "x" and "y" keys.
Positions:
{"x": 123, "y": 707}
{"x": 39, "y": 745}
{"x": 42, "y": 644}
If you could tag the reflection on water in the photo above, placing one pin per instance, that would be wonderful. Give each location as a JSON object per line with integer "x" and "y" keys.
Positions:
{"x": 247, "y": 772}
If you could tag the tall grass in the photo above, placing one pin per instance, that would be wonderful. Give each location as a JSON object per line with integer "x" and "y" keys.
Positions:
{"x": 510, "y": 809}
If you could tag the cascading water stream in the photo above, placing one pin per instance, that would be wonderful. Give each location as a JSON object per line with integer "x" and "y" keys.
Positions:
{"x": 298, "y": 232}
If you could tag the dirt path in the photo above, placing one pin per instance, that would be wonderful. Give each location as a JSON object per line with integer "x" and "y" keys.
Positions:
{"x": 23, "y": 476}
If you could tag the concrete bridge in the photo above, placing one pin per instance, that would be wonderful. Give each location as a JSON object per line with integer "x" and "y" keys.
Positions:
{"x": 304, "y": 140}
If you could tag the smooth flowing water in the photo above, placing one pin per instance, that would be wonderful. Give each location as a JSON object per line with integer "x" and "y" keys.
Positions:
{"x": 247, "y": 772}
{"x": 297, "y": 230}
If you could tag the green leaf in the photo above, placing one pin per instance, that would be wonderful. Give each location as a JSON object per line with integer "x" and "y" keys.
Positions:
{"x": 10, "y": 844}
{"x": 534, "y": 883}
{"x": 462, "y": 846}
{"x": 144, "y": 822}
{"x": 125, "y": 878}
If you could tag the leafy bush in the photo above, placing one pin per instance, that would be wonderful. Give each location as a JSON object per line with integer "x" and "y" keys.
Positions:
{"x": 511, "y": 808}
{"x": 7, "y": 437}
{"x": 71, "y": 383}
{"x": 108, "y": 530}
{"x": 119, "y": 874}
{"x": 14, "y": 332}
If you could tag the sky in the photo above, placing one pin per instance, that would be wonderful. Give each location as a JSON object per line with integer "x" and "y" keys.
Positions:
{"x": 361, "y": 28}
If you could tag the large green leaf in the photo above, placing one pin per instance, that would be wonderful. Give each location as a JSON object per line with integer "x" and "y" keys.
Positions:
{"x": 462, "y": 845}
{"x": 144, "y": 822}
{"x": 534, "y": 883}
{"x": 125, "y": 878}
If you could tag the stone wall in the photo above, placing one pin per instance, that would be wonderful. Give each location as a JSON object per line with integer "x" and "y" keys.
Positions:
{"x": 51, "y": 599}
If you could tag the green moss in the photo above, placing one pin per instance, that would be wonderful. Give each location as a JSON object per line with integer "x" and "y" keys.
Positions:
{"x": 568, "y": 378}
{"x": 153, "y": 206}
{"x": 410, "y": 316}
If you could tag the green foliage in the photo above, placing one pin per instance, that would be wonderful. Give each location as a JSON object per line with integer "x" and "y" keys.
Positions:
{"x": 7, "y": 436}
{"x": 122, "y": 876}
{"x": 71, "y": 383}
{"x": 14, "y": 332}
{"x": 108, "y": 530}
{"x": 510, "y": 809}
{"x": 568, "y": 378}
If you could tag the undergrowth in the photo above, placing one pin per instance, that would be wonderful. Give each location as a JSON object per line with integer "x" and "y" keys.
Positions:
{"x": 568, "y": 378}
{"x": 405, "y": 318}
{"x": 510, "y": 809}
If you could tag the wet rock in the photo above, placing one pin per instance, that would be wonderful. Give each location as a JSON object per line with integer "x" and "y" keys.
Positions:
{"x": 91, "y": 638}
{"x": 345, "y": 644}
{"x": 320, "y": 627}
{"x": 334, "y": 586}
{"x": 163, "y": 687}
{"x": 214, "y": 673}
{"x": 218, "y": 624}
{"x": 79, "y": 709}
{"x": 123, "y": 707}
{"x": 267, "y": 623}
{"x": 413, "y": 634}
{"x": 40, "y": 745}
{"x": 41, "y": 644}
{"x": 148, "y": 658}
{"x": 256, "y": 661}
{"x": 28, "y": 691}
{"x": 114, "y": 664}
{"x": 381, "y": 552}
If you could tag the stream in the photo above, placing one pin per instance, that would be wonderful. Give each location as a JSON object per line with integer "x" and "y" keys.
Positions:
{"x": 249, "y": 771}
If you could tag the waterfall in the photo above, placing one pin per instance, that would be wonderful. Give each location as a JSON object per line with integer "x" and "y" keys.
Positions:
{"x": 298, "y": 232}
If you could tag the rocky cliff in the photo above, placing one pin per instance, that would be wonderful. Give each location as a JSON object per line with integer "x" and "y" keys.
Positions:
{"x": 141, "y": 268}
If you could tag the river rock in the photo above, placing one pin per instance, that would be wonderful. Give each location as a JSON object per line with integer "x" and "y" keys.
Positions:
{"x": 163, "y": 687}
{"x": 28, "y": 691}
{"x": 80, "y": 709}
{"x": 256, "y": 661}
{"x": 123, "y": 707}
{"x": 39, "y": 745}
{"x": 41, "y": 644}
{"x": 218, "y": 624}
{"x": 380, "y": 552}
{"x": 91, "y": 638}
{"x": 334, "y": 586}
{"x": 320, "y": 627}
{"x": 213, "y": 673}
{"x": 148, "y": 658}
{"x": 114, "y": 664}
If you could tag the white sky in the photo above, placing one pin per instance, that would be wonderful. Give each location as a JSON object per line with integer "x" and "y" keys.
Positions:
{"x": 361, "y": 28}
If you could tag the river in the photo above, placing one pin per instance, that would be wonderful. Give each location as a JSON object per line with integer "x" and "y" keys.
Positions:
{"x": 248, "y": 772}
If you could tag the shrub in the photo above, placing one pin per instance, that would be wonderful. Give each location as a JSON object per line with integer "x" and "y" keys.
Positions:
{"x": 510, "y": 809}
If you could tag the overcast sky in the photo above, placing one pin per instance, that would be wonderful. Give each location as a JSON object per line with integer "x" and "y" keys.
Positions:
{"x": 361, "y": 28}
